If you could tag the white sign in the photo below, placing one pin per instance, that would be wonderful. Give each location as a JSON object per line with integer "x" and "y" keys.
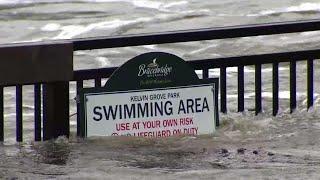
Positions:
{"x": 151, "y": 113}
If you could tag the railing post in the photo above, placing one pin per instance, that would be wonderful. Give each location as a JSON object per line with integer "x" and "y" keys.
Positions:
{"x": 223, "y": 89}
{"x": 79, "y": 86}
{"x": 258, "y": 88}
{"x": 275, "y": 88}
{"x": 55, "y": 110}
{"x": 37, "y": 112}
{"x": 1, "y": 115}
{"x": 97, "y": 82}
{"x": 205, "y": 73}
{"x": 293, "y": 86}
{"x": 19, "y": 116}
{"x": 240, "y": 88}
{"x": 310, "y": 83}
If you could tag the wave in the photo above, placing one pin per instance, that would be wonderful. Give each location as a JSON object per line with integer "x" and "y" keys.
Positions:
{"x": 118, "y": 25}
{"x": 9, "y": 2}
{"x": 147, "y": 3}
{"x": 303, "y": 8}
{"x": 137, "y": 3}
{"x": 71, "y": 31}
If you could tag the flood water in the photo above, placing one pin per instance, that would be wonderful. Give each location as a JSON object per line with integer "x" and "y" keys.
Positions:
{"x": 244, "y": 147}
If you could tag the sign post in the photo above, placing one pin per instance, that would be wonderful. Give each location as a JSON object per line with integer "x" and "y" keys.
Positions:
{"x": 151, "y": 95}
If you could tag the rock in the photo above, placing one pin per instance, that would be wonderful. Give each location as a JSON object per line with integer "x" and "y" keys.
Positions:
{"x": 218, "y": 165}
{"x": 241, "y": 150}
{"x": 224, "y": 151}
{"x": 270, "y": 154}
{"x": 255, "y": 152}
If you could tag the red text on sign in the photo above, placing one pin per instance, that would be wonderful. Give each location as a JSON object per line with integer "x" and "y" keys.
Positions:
{"x": 122, "y": 126}
{"x": 151, "y": 124}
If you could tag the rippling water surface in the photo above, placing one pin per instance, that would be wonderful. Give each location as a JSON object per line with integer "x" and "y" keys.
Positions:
{"x": 246, "y": 146}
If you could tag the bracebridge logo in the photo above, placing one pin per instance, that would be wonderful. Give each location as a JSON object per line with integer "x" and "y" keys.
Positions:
{"x": 154, "y": 70}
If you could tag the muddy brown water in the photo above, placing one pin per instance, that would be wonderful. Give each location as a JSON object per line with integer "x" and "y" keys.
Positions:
{"x": 266, "y": 148}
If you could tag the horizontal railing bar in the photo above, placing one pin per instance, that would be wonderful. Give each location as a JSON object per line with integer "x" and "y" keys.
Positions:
{"x": 93, "y": 73}
{"x": 183, "y": 35}
{"x": 256, "y": 59}
{"x": 196, "y": 34}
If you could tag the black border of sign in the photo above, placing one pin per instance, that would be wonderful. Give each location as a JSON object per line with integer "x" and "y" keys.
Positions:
{"x": 100, "y": 90}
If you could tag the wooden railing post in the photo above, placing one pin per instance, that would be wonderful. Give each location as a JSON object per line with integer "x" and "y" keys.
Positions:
{"x": 55, "y": 110}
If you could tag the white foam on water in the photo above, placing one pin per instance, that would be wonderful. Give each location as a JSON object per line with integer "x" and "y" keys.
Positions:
{"x": 282, "y": 95}
{"x": 303, "y": 7}
{"x": 146, "y": 3}
{"x": 136, "y": 3}
{"x": 201, "y": 50}
{"x": 103, "y": 61}
{"x": 12, "y": 115}
{"x": 265, "y": 70}
{"x": 195, "y": 12}
{"x": 31, "y": 107}
{"x": 199, "y": 73}
{"x": 80, "y": 53}
{"x": 179, "y": 14}
{"x": 142, "y": 3}
{"x": 10, "y": 2}
{"x": 152, "y": 47}
{"x": 310, "y": 33}
{"x": 230, "y": 70}
{"x": 216, "y": 72}
{"x": 51, "y": 27}
{"x": 71, "y": 31}
{"x": 74, "y": 30}
{"x": 174, "y": 4}
{"x": 31, "y": 28}
{"x": 267, "y": 12}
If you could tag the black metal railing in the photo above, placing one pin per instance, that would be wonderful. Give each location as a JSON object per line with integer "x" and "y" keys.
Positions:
{"x": 204, "y": 65}
{"x": 257, "y": 61}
